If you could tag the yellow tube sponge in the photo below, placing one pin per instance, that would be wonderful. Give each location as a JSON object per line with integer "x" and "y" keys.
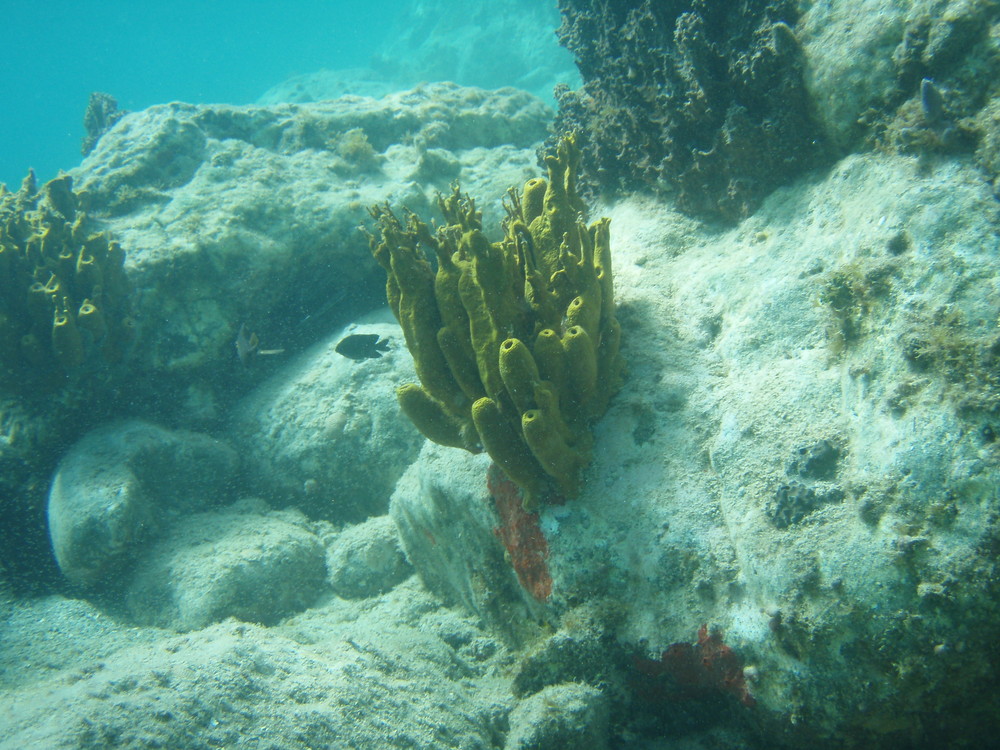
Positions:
{"x": 504, "y": 443}
{"x": 64, "y": 295}
{"x": 431, "y": 418}
{"x": 557, "y": 457}
{"x": 515, "y": 342}
{"x": 520, "y": 373}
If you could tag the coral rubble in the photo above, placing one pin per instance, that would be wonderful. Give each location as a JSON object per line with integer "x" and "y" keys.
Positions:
{"x": 101, "y": 115}
{"x": 515, "y": 342}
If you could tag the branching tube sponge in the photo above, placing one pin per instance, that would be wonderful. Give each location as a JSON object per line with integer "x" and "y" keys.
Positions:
{"x": 515, "y": 342}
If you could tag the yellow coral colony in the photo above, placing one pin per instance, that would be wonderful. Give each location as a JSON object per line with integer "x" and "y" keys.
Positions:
{"x": 515, "y": 342}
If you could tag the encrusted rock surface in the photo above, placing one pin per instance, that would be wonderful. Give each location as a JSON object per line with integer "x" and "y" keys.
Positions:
{"x": 357, "y": 675}
{"x": 701, "y": 101}
{"x": 250, "y": 214}
{"x": 813, "y": 321}
{"x": 561, "y": 716}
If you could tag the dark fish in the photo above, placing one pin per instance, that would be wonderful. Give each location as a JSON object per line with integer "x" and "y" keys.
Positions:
{"x": 360, "y": 346}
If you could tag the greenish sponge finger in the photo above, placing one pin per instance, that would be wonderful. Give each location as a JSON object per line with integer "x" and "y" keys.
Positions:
{"x": 462, "y": 365}
{"x": 581, "y": 367}
{"x": 548, "y": 402}
{"x": 430, "y": 417}
{"x": 519, "y": 373}
{"x": 508, "y": 450}
{"x": 420, "y": 323}
{"x": 532, "y": 198}
{"x": 90, "y": 318}
{"x": 551, "y": 358}
{"x": 601, "y": 232}
{"x": 610, "y": 365}
{"x": 585, "y": 311}
{"x": 560, "y": 461}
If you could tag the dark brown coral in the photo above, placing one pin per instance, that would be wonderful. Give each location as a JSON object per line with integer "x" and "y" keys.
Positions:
{"x": 704, "y": 100}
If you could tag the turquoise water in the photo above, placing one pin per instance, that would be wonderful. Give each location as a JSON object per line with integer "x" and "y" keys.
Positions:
{"x": 57, "y": 53}
{"x": 218, "y": 527}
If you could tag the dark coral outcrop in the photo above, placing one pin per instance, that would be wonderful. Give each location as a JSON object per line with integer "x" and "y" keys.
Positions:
{"x": 702, "y": 100}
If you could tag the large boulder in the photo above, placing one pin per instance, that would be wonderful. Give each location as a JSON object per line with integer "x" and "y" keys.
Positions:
{"x": 242, "y": 562}
{"x": 119, "y": 484}
{"x": 233, "y": 215}
{"x": 325, "y": 433}
{"x": 803, "y": 459}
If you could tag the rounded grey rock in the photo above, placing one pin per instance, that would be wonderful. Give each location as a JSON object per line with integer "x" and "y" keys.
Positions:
{"x": 113, "y": 488}
{"x": 256, "y": 567}
{"x": 367, "y": 560}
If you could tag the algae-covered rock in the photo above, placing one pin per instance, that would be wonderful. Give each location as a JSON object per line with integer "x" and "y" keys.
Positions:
{"x": 398, "y": 670}
{"x": 249, "y": 214}
{"x": 826, "y": 504}
{"x": 558, "y": 717}
{"x": 515, "y": 342}
{"x": 447, "y": 526}
{"x": 701, "y": 101}
{"x": 916, "y": 77}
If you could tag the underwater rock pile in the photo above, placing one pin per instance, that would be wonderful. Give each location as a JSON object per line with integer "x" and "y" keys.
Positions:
{"x": 250, "y": 214}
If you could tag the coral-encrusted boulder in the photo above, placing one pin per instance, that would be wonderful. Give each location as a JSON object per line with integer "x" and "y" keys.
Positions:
{"x": 701, "y": 101}
{"x": 803, "y": 459}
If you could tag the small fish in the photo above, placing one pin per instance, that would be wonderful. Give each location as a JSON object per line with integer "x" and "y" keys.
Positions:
{"x": 248, "y": 347}
{"x": 360, "y": 346}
